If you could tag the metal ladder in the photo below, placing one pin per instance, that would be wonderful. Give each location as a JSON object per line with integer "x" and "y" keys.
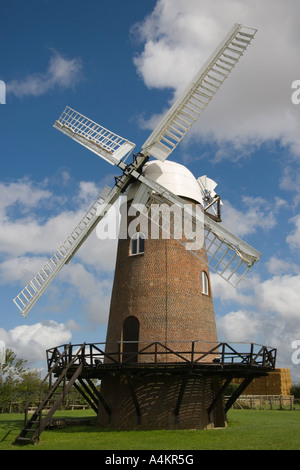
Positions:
{"x": 188, "y": 108}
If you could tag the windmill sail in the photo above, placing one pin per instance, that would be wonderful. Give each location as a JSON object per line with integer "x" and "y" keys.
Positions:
{"x": 226, "y": 254}
{"x": 96, "y": 138}
{"x": 222, "y": 251}
{"x": 26, "y": 299}
{"x": 191, "y": 104}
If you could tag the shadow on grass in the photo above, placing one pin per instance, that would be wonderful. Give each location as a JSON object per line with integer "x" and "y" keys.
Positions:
{"x": 10, "y": 428}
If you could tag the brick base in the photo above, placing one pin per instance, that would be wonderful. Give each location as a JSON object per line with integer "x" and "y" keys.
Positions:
{"x": 152, "y": 402}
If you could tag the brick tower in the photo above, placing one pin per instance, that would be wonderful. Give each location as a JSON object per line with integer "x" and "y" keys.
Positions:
{"x": 161, "y": 293}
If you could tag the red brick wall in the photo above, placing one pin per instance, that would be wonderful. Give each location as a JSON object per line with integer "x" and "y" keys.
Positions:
{"x": 162, "y": 288}
{"x": 157, "y": 397}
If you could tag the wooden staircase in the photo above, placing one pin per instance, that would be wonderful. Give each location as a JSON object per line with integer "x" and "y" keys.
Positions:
{"x": 52, "y": 400}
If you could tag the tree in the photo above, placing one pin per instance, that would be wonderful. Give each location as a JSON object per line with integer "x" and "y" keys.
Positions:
{"x": 295, "y": 390}
{"x": 17, "y": 382}
{"x": 12, "y": 366}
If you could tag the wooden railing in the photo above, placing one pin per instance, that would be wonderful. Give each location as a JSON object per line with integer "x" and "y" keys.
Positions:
{"x": 97, "y": 355}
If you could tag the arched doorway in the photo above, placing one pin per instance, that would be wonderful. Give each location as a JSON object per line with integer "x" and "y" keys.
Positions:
{"x": 131, "y": 329}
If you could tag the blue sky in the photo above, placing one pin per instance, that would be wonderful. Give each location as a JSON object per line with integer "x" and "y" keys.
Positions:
{"x": 122, "y": 64}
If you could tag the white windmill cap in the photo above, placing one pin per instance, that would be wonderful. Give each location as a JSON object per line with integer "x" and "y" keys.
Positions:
{"x": 175, "y": 177}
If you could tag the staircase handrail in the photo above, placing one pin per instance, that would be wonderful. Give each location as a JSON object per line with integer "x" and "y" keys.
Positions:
{"x": 30, "y": 399}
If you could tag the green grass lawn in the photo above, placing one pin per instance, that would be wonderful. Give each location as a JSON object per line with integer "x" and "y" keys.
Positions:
{"x": 247, "y": 430}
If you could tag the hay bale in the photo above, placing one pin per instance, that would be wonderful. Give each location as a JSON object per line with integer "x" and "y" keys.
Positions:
{"x": 277, "y": 382}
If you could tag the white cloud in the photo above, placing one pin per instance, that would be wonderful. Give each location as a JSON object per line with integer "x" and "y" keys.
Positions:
{"x": 30, "y": 341}
{"x": 254, "y": 105}
{"x": 241, "y": 295}
{"x": 20, "y": 269}
{"x": 61, "y": 72}
{"x": 93, "y": 292}
{"x": 257, "y": 213}
{"x": 245, "y": 325}
{"x": 88, "y": 192}
{"x": 261, "y": 311}
{"x": 281, "y": 295}
{"x": 24, "y": 194}
{"x": 282, "y": 266}
{"x": 238, "y": 326}
{"x": 29, "y": 235}
{"x": 23, "y": 234}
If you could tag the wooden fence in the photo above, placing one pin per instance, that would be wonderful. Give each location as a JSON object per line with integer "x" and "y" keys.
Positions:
{"x": 263, "y": 402}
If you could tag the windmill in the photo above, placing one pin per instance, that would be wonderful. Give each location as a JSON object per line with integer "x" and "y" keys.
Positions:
{"x": 146, "y": 299}
{"x": 226, "y": 254}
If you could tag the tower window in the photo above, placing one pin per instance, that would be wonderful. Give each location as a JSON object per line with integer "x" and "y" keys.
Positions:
{"x": 137, "y": 244}
{"x": 204, "y": 283}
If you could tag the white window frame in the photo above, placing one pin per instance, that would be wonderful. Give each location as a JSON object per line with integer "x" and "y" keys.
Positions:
{"x": 140, "y": 247}
{"x": 204, "y": 283}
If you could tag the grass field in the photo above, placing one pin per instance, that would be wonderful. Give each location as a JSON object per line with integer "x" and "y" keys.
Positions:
{"x": 247, "y": 430}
